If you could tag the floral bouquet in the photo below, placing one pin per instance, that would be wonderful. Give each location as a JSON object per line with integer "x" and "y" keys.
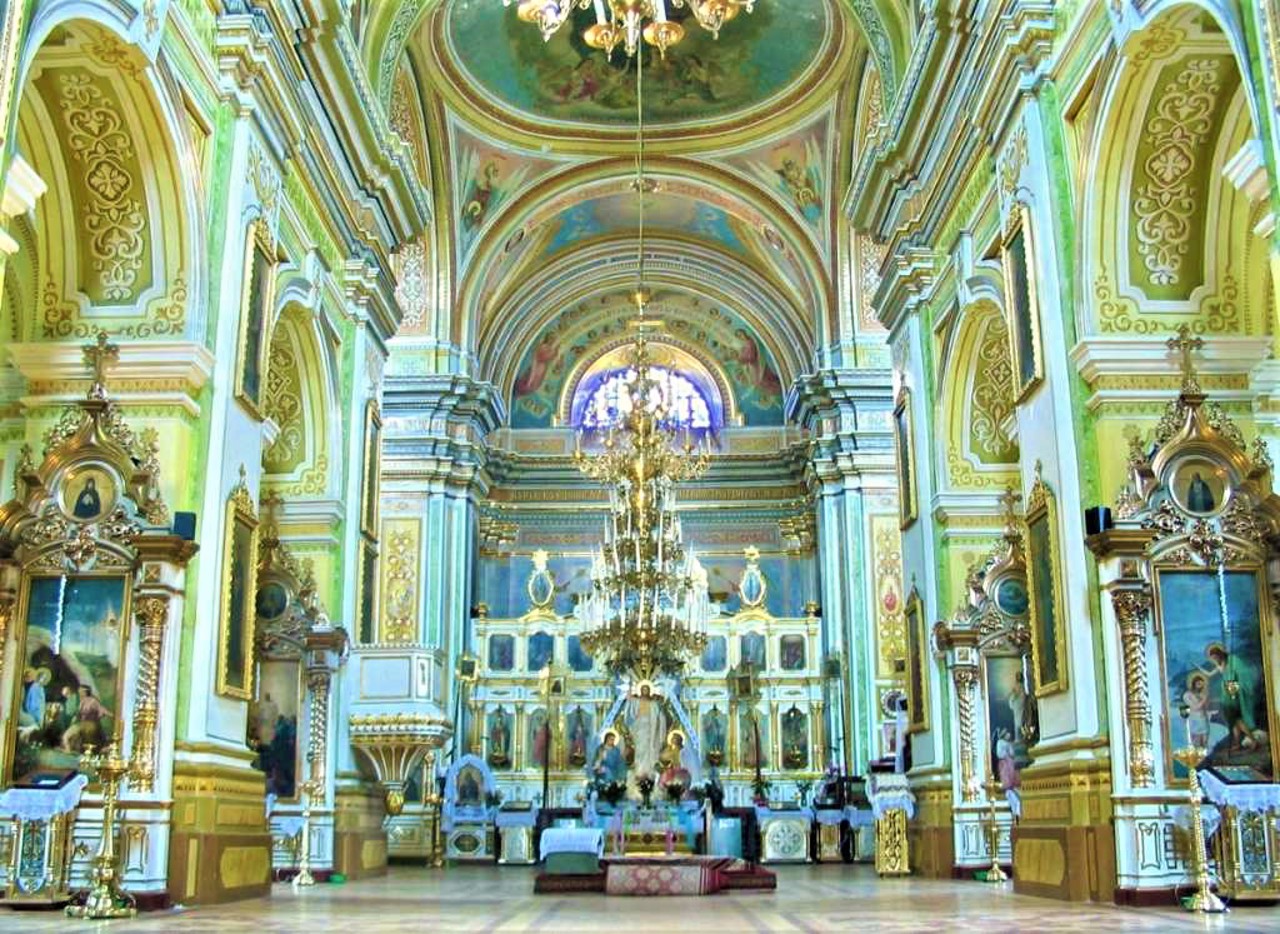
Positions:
{"x": 644, "y": 784}
{"x": 674, "y": 790}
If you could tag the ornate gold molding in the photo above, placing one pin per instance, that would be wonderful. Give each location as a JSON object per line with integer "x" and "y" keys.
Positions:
{"x": 152, "y": 614}
{"x": 965, "y": 680}
{"x": 318, "y": 681}
{"x": 1132, "y": 603}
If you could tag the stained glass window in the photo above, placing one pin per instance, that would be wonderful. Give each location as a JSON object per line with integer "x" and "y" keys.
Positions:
{"x": 610, "y": 401}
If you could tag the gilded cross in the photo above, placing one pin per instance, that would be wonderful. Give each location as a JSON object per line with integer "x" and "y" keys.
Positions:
{"x": 1184, "y": 345}
{"x": 99, "y": 356}
{"x": 1009, "y": 500}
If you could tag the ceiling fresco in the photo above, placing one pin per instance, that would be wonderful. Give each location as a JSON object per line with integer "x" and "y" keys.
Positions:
{"x": 706, "y": 80}
{"x": 585, "y": 330}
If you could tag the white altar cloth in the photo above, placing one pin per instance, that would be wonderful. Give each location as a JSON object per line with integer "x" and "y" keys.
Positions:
{"x": 1245, "y": 798}
{"x": 889, "y": 792}
{"x": 42, "y": 803}
{"x": 571, "y": 840}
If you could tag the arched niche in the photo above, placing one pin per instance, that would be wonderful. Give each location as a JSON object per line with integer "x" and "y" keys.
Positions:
{"x": 112, "y": 239}
{"x": 1169, "y": 238}
{"x": 299, "y": 395}
{"x": 976, "y": 401}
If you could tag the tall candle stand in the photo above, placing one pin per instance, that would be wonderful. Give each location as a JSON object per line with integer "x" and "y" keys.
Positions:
{"x": 304, "y": 877}
{"x": 1203, "y": 901}
{"x": 995, "y": 873}
{"x": 105, "y": 898}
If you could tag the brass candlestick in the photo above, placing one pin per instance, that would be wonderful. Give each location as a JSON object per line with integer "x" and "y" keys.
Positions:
{"x": 1203, "y": 901}
{"x": 995, "y": 873}
{"x": 307, "y": 790}
{"x": 105, "y": 898}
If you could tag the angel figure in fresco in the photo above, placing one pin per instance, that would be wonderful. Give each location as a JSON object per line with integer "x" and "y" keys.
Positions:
{"x": 479, "y": 195}
{"x": 1240, "y": 688}
{"x": 530, "y": 381}
{"x": 798, "y": 182}
{"x": 758, "y": 373}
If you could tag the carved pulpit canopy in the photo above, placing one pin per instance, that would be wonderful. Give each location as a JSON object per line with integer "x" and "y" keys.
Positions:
{"x": 95, "y": 492}
{"x": 291, "y": 617}
{"x": 1198, "y": 494}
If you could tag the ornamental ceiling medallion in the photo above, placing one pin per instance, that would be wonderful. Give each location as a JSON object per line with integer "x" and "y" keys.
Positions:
{"x": 765, "y": 62}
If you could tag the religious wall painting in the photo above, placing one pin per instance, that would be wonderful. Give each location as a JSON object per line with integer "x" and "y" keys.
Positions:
{"x": 1200, "y": 486}
{"x": 498, "y": 729}
{"x": 1018, "y": 259}
{"x": 367, "y": 592}
{"x": 795, "y": 739}
{"x": 539, "y": 739}
{"x": 793, "y": 167}
{"x": 579, "y": 660}
{"x": 917, "y": 665}
{"x": 715, "y": 655}
{"x": 239, "y": 594}
{"x": 273, "y": 725}
{"x": 792, "y": 652}
{"x": 502, "y": 652}
{"x": 1009, "y": 714}
{"x": 1214, "y": 635}
{"x": 487, "y": 176}
{"x": 753, "y": 739}
{"x": 581, "y": 333}
{"x": 372, "y": 474}
{"x": 271, "y": 601}
{"x": 579, "y": 726}
{"x": 257, "y": 296}
{"x": 715, "y": 737}
{"x": 70, "y": 692}
{"x": 751, "y": 648}
{"x": 903, "y": 446}
{"x": 1044, "y": 585}
{"x": 540, "y": 649}
{"x": 89, "y": 492}
{"x": 469, "y": 787}
{"x": 565, "y": 80}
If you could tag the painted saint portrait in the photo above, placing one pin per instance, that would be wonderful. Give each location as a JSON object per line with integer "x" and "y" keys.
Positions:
{"x": 1215, "y": 674}
{"x": 273, "y": 726}
{"x": 541, "y": 646}
{"x": 239, "y": 598}
{"x": 1009, "y": 716}
{"x": 1200, "y": 487}
{"x": 259, "y": 275}
{"x": 1011, "y": 597}
{"x": 272, "y": 601}
{"x": 88, "y": 494}
{"x": 906, "y": 466}
{"x": 498, "y": 730}
{"x": 751, "y": 647}
{"x": 715, "y": 655}
{"x": 792, "y": 651}
{"x": 579, "y": 726}
{"x": 470, "y": 785}
{"x": 753, "y": 739}
{"x": 539, "y": 739}
{"x": 502, "y": 652}
{"x": 579, "y": 660}
{"x": 714, "y": 732}
{"x": 917, "y": 672}
{"x": 1020, "y": 287}
{"x": 68, "y": 692}
{"x": 795, "y": 739}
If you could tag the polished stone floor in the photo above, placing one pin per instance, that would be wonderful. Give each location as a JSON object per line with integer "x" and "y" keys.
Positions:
{"x": 810, "y": 899}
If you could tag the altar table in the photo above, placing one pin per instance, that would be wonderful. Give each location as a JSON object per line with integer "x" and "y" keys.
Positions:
{"x": 571, "y": 840}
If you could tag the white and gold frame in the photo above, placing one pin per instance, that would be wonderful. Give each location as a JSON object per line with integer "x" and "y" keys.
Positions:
{"x": 239, "y": 587}
{"x": 1018, "y": 259}
{"x": 257, "y": 294}
{"x": 917, "y": 665}
{"x": 372, "y": 469}
{"x": 903, "y": 437}
{"x": 1044, "y": 585}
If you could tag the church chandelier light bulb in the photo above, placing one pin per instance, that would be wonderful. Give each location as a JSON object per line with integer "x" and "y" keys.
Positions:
{"x": 626, "y": 22}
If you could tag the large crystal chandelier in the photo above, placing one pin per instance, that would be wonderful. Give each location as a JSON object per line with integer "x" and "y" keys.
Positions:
{"x": 647, "y": 611}
{"x": 624, "y": 22}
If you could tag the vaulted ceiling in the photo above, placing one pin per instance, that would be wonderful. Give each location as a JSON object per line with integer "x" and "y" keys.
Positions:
{"x": 749, "y": 140}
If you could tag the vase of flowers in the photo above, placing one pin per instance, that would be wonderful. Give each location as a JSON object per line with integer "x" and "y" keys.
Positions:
{"x": 644, "y": 784}
{"x": 674, "y": 791}
{"x": 611, "y": 792}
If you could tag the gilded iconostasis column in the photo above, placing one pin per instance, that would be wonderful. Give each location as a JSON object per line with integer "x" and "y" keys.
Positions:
{"x": 1131, "y": 600}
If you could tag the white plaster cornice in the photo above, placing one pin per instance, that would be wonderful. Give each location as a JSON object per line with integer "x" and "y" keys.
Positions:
{"x": 1097, "y": 357}
{"x": 167, "y": 373}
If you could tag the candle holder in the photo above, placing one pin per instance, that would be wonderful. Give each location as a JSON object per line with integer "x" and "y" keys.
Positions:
{"x": 304, "y": 877}
{"x": 995, "y": 873}
{"x": 1203, "y": 901}
{"x": 105, "y": 898}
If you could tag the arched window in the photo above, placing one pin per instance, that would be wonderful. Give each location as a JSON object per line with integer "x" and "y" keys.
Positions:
{"x": 609, "y": 400}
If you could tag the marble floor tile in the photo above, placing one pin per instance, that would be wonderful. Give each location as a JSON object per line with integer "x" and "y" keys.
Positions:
{"x": 809, "y": 900}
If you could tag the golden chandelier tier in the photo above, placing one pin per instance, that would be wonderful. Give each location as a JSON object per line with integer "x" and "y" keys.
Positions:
{"x": 625, "y": 22}
{"x": 647, "y": 611}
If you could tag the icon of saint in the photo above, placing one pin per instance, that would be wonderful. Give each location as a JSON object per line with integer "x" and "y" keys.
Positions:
{"x": 89, "y": 502}
{"x": 1200, "y": 497}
